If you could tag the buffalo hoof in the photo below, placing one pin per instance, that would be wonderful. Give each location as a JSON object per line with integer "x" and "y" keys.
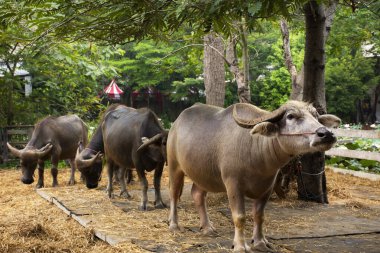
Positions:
{"x": 71, "y": 182}
{"x": 159, "y": 205}
{"x": 55, "y": 184}
{"x": 242, "y": 249}
{"x": 263, "y": 247}
{"x": 209, "y": 231}
{"x": 175, "y": 228}
{"x": 143, "y": 207}
{"x": 125, "y": 194}
{"x": 39, "y": 185}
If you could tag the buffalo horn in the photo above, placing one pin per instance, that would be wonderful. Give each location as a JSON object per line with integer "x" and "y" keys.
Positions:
{"x": 83, "y": 164}
{"x": 263, "y": 115}
{"x": 150, "y": 141}
{"x": 14, "y": 151}
{"x": 44, "y": 150}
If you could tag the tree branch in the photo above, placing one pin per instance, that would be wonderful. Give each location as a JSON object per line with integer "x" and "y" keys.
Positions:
{"x": 287, "y": 53}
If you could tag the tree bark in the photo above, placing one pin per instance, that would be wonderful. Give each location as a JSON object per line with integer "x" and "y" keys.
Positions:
{"x": 214, "y": 73}
{"x": 297, "y": 79}
{"x": 244, "y": 91}
{"x": 312, "y": 178}
{"x": 241, "y": 76}
{"x": 309, "y": 85}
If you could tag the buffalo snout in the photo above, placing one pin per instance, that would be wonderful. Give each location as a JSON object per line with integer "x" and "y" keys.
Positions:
{"x": 326, "y": 135}
{"x": 27, "y": 180}
{"x": 91, "y": 185}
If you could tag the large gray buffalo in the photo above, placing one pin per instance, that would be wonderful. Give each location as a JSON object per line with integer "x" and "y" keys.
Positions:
{"x": 53, "y": 137}
{"x": 239, "y": 150}
{"x": 129, "y": 138}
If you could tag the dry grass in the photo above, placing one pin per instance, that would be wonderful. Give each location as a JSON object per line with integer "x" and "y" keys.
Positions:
{"x": 29, "y": 223}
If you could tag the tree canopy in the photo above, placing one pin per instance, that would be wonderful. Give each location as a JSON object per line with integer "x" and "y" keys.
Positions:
{"x": 73, "y": 49}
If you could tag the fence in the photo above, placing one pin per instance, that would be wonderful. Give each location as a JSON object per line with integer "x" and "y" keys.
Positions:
{"x": 369, "y": 134}
{"x": 17, "y": 136}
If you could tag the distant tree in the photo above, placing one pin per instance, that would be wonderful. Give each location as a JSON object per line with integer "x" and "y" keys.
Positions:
{"x": 214, "y": 72}
{"x": 240, "y": 73}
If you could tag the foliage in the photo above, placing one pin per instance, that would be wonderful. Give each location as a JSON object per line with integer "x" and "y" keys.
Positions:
{"x": 190, "y": 90}
{"x": 372, "y": 145}
{"x": 151, "y": 64}
{"x": 347, "y": 80}
{"x": 270, "y": 81}
{"x": 120, "y": 21}
{"x": 68, "y": 75}
{"x": 349, "y": 74}
{"x": 66, "y": 79}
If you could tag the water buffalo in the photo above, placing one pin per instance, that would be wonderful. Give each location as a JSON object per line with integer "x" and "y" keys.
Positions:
{"x": 129, "y": 138}
{"x": 53, "y": 137}
{"x": 239, "y": 150}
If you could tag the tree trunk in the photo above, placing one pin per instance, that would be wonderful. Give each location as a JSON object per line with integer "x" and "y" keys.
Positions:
{"x": 297, "y": 79}
{"x": 244, "y": 90}
{"x": 214, "y": 73}
{"x": 314, "y": 61}
{"x": 312, "y": 178}
{"x": 241, "y": 75}
{"x": 308, "y": 85}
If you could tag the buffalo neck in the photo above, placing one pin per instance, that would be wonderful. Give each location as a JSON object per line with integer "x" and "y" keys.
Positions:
{"x": 268, "y": 153}
{"x": 96, "y": 142}
{"x": 39, "y": 139}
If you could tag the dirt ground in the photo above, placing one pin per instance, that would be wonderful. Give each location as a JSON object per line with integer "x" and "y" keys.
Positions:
{"x": 28, "y": 223}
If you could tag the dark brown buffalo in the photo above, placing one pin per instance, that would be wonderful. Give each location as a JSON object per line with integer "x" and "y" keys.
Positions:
{"x": 239, "y": 150}
{"x": 129, "y": 138}
{"x": 53, "y": 137}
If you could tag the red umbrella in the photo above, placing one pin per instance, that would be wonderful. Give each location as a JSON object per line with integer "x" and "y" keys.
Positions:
{"x": 113, "y": 91}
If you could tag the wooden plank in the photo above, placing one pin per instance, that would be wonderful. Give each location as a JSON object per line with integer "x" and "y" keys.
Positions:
{"x": 375, "y": 156}
{"x": 44, "y": 195}
{"x": 13, "y": 143}
{"x": 20, "y": 126}
{"x": 17, "y": 131}
{"x": 361, "y": 174}
{"x": 84, "y": 220}
{"x": 371, "y": 134}
{"x": 61, "y": 206}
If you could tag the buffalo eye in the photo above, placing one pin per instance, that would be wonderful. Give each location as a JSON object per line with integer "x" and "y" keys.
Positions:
{"x": 290, "y": 116}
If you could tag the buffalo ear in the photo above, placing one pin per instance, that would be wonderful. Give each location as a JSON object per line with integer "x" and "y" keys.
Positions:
{"x": 329, "y": 120}
{"x": 265, "y": 128}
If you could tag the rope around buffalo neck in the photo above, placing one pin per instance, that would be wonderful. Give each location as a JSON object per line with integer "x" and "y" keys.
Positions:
{"x": 297, "y": 134}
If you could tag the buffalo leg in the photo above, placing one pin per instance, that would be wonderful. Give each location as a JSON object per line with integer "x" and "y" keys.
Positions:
{"x": 199, "y": 197}
{"x": 236, "y": 202}
{"x": 144, "y": 186}
{"x": 129, "y": 176}
{"x": 110, "y": 169}
{"x": 54, "y": 170}
{"x": 72, "y": 174}
{"x": 123, "y": 188}
{"x": 259, "y": 240}
{"x": 41, "y": 166}
{"x": 158, "y": 203}
{"x": 176, "y": 180}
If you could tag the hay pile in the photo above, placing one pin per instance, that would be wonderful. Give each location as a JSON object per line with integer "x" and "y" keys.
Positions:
{"x": 29, "y": 223}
